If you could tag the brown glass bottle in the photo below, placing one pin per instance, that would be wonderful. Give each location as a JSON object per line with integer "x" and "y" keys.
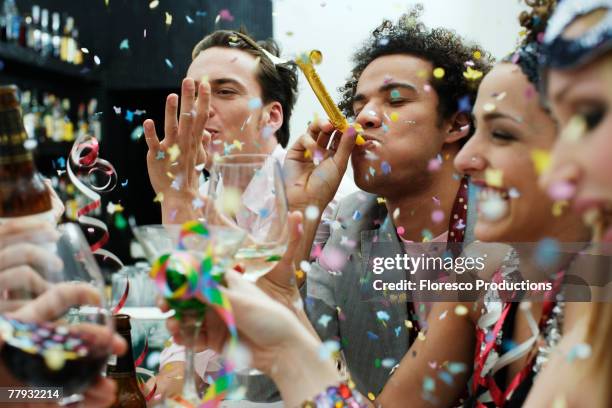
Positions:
{"x": 122, "y": 370}
{"x": 22, "y": 190}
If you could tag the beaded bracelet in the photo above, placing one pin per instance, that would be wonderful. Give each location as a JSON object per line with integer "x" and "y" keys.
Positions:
{"x": 337, "y": 397}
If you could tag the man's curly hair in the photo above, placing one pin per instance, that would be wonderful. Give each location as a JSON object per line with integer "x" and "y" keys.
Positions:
{"x": 443, "y": 48}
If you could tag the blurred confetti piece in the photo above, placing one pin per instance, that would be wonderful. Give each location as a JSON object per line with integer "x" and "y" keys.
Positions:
{"x": 472, "y": 74}
{"x": 488, "y": 107}
{"x": 169, "y": 63}
{"x": 547, "y": 252}
{"x": 254, "y": 103}
{"x": 477, "y": 54}
{"x": 174, "y": 151}
{"x": 124, "y": 45}
{"x": 312, "y": 212}
{"x": 561, "y": 190}
{"x": 189, "y": 20}
{"x": 559, "y": 402}
{"x": 580, "y": 351}
{"x": 168, "y": 19}
{"x": 231, "y": 199}
{"x": 359, "y": 140}
{"x": 558, "y": 207}
{"x": 324, "y": 320}
{"x": 385, "y": 167}
{"x": 461, "y": 310}
{"x": 575, "y": 129}
{"x": 225, "y": 15}
{"x": 437, "y": 216}
{"x": 153, "y": 4}
{"x": 382, "y": 315}
{"x": 494, "y": 177}
{"x": 541, "y": 160}
{"x": 429, "y": 384}
{"x": 394, "y": 117}
{"x": 388, "y": 362}
{"x": 438, "y": 73}
{"x": 371, "y": 396}
{"x": 456, "y": 368}
{"x": 159, "y": 198}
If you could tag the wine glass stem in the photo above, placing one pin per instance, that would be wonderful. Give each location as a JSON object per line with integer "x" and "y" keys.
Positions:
{"x": 190, "y": 327}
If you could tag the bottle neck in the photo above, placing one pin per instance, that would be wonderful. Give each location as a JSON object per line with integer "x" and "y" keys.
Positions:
{"x": 125, "y": 363}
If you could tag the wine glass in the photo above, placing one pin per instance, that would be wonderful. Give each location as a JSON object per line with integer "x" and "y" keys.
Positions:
{"x": 247, "y": 192}
{"x": 160, "y": 240}
{"x": 70, "y": 349}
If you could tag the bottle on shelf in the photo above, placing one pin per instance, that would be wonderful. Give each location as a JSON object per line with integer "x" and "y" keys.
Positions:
{"x": 68, "y": 126}
{"x": 93, "y": 119}
{"x": 74, "y": 47}
{"x": 12, "y": 20}
{"x": 122, "y": 370}
{"x": 22, "y": 191}
{"x": 35, "y": 33}
{"x": 66, "y": 54}
{"x": 55, "y": 37}
{"x": 24, "y": 29}
{"x": 45, "y": 35}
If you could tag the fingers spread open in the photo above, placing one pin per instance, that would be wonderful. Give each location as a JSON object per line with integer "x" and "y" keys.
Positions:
{"x": 170, "y": 120}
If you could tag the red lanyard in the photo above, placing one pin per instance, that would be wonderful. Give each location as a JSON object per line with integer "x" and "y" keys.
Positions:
{"x": 499, "y": 397}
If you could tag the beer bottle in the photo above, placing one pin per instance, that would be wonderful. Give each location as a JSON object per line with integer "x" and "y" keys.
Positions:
{"x": 122, "y": 370}
{"x": 22, "y": 190}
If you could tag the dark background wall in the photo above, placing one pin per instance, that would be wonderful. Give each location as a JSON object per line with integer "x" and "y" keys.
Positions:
{"x": 138, "y": 78}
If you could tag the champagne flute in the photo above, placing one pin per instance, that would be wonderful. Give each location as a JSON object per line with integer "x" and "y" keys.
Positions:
{"x": 159, "y": 240}
{"x": 247, "y": 192}
{"x": 70, "y": 350}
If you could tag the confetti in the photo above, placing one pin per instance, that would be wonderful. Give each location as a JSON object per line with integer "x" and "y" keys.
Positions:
{"x": 429, "y": 384}
{"x": 324, "y": 320}
{"x": 169, "y": 63}
{"x": 124, "y": 45}
{"x": 438, "y": 73}
{"x": 437, "y": 216}
{"x": 312, "y": 212}
{"x": 465, "y": 104}
{"x": 580, "y": 351}
{"x": 153, "y": 4}
{"x": 385, "y": 167}
{"x": 400, "y": 230}
{"x": 394, "y": 116}
{"x": 356, "y": 215}
{"x": 561, "y": 190}
{"x": 189, "y": 20}
{"x": 389, "y": 362}
{"x": 395, "y": 94}
{"x": 160, "y": 155}
{"x": 461, "y": 310}
{"x": 472, "y": 74}
{"x": 159, "y": 198}
{"x": 443, "y": 315}
{"x": 174, "y": 151}
{"x": 97, "y": 60}
{"x": 541, "y": 160}
{"x": 197, "y": 203}
{"x": 456, "y": 368}
{"x": 382, "y": 315}
{"x": 371, "y": 396}
{"x": 225, "y": 15}
{"x": 558, "y": 206}
{"x": 372, "y": 336}
{"x": 231, "y": 199}
{"x": 254, "y": 103}
{"x": 574, "y": 129}
{"x": 494, "y": 177}
{"x": 477, "y": 55}
{"x": 359, "y": 140}
{"x": 168, "y": 19}
{"x": 445, "y": 377}
{"x": 488, "y": 107}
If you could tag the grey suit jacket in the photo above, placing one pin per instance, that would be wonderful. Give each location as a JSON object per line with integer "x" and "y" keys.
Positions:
{"x": 372, "y": 334}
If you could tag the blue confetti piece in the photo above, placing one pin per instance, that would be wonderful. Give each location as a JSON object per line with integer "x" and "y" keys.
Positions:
{"x": 200, "y": 13}
{"x": 254, "y": 103}
{"x": 372, "y": 336}
{"x": 385, "y": 167}
{"x": 395, "y": 94}
{"x": 547, "y": 252}
{"x": 137, "y": 133}
{"x": 385, "y": 128}
{"x": 383, "y": 41}
{"x": 464, "y": 104}
{"x": 124, "y": 45}
{"x": 169, "y": 63}
{"x": 388, "y": 362}
{"x": 446, "y": 377}
{"x": 429, "y": 384}
{"x": 356, "y": 215}
{"x": 398, "y": 330}
{"x": 382, "y": 315}
{"x": 324, "y": 320}
{"x": 264, "y": 212}
{"x": 508, "y": 345}
{"x": 189, "y": 19}
{"x": 457, "y": 368}
{"x": 61, "y": 163}
{"x": 129, "y": 115}
{"x": 125, "y": 183}
{"x": 160, "y": 155}
{"x": 372, "y": 171}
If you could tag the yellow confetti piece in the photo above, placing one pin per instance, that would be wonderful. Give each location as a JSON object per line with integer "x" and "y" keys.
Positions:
{"x": 422, "y": 73}
{"x": 494, "y": 177}
{"x": 472, "y": 74}
{"x": 168, "y": 18}
{"x": 170, "y": 175}
{"x": 204, "y": 79}
{"x": 359, "y": 140}
{"x": 231, "y": 200}
{"x": 299, "y": 274}
{"x": 489, "y": 107}
{"x": 159, "y": 198}
{"x": 541, "y": 160}
{"x": 316, "y": 57}
{"x": 575, "y": 129}
{"x": 558, "y": 207}
{"x": 477, "y": 55}
{"x": 461, "y": 310}
{"x": 394, "y": 116}
{"x": 54, "y": 358}
{"x": 408, "y": 324}
{"x": 501, "y": 96}
{"x": 307, "y": 154}
{"x": 421, "y": 336}
{"x": 153, "y": 4}
{"x": 238, "y": 144}
{"x": 559, "y": 402}
{"x": 174, "y": 151}
{"x": 70, "y": 189}
{"x": 439, "y": 73}
{"x": 380, "y": 200}
{"x": 106, "y": 2}
{"x": 371, "y": 396}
